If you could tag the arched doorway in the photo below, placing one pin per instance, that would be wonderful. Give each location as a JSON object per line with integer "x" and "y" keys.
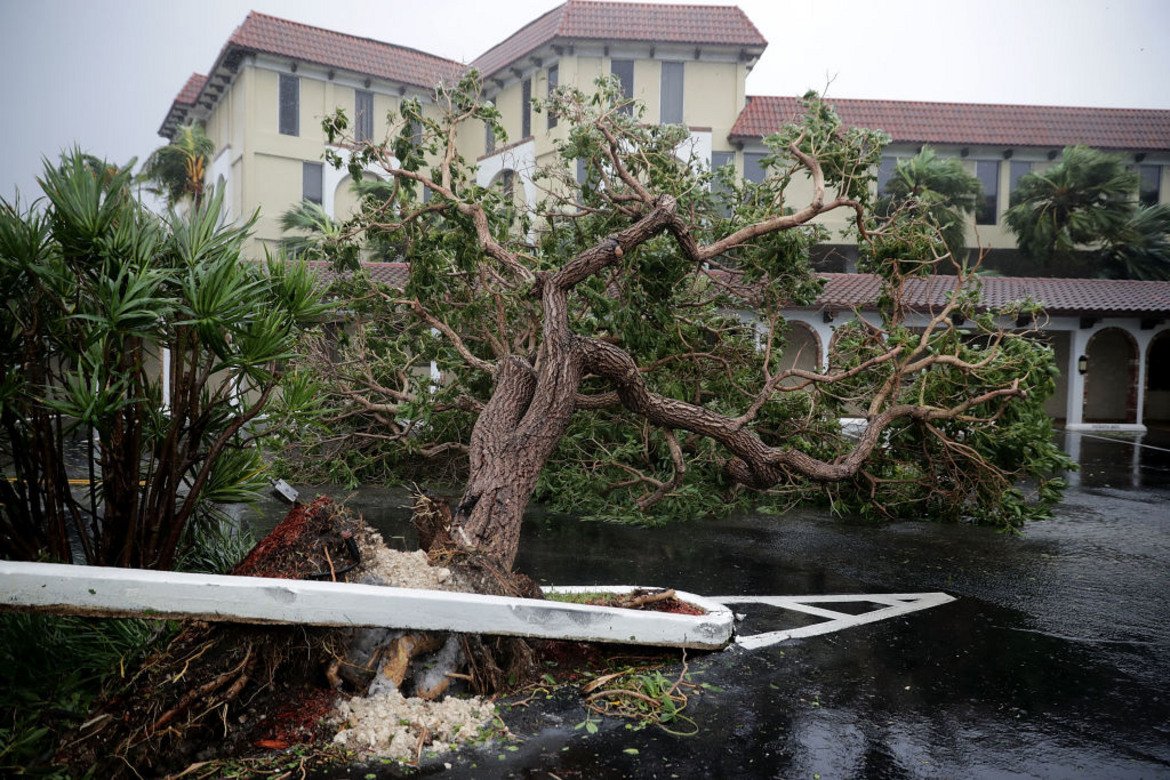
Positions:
{"x": 508, "y": 183}
{"x": 1157, "y": 408}
{"x": 1111, "y": 378}
{"x": 802, "y": 347}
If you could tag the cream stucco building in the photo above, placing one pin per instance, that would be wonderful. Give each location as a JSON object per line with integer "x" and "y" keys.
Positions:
{"x": 264, "y": 97}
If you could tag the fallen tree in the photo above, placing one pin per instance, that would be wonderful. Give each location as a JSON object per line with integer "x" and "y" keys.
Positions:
{"x": 597, "y": 348}
{"x": 603, "y": 335}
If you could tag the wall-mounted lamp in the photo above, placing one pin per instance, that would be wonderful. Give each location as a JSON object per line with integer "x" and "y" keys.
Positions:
{"x": 1083, "y": 364}
{"x": 827, "y": 316}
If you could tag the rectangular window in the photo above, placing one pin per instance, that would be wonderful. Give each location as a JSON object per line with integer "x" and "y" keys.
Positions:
{"x": 720, "y": 160}
{"x": 290, "y": 104}
{"x": 987, "y": 171}
{"x": 312, "y": 182}
{"x": 672, "y": 93}
{"x": 1016, "y": 171}
{"x": 554, "y": 76}
{"x": 624, "y": 71}
{"x": 508, "y": 186}
{"x": 886, "y": 169}
{"x": 581, "y": 173}
{"x": 489, "y": 138}
{"x": 525, "y": 108}
{"x": 1150, "y": 184}
{"x": 363, "y": 115}
{"x": 416, "y": 132}
{"x": 753, "y": 167}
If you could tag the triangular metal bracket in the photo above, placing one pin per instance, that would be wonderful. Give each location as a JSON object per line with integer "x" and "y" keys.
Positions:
{"x": 888, "y": 605}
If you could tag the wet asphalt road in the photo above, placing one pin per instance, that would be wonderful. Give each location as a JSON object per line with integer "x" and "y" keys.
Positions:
{"x": 1054, "y": 662}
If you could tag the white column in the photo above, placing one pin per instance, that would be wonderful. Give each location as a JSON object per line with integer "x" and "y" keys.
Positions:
{"x": 1078, "y": 341}
{"x": 165, "y": 358}
{"x": 1143, "y": 339}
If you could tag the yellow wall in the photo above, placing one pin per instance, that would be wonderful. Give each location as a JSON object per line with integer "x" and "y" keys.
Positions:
{"x": 266, "y": 166}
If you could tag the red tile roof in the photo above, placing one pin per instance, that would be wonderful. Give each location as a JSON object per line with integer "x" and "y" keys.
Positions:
{"x": 283, "y": 38}
{"x": 975, "y": 123}
{"x": 596, "y": 21}
{"x": 1058, "y": 296}
{"x": 393, "y": 274}
{"x": 1115, "y": 297}
{"x": 271, "y": 35}
{"x": 183, "y": 103}
{"x": 191, "y": 89}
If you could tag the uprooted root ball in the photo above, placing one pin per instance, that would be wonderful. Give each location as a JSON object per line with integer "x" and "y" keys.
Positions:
{"x": 221, "y": 691}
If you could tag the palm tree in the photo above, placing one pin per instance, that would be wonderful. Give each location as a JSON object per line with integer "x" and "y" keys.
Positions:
{"x": 1082, "y": 203}
{"x": 1141, "y": 248}
{"x": 177, "y": 170}
{"x": 320, "y": 237}
{"x": 938, "y": 189}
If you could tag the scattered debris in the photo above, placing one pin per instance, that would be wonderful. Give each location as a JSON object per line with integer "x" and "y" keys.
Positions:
{"x": 390, "y": 725}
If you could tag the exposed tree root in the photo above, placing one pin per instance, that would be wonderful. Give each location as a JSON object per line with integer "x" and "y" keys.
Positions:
{"x": 218, "y": 691}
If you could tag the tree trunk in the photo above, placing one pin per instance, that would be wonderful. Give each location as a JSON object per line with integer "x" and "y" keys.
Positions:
{"x": 532, "y": 406}
{"x": 513, "y": 438}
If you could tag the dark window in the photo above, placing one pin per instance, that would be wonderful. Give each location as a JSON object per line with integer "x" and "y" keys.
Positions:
{"x": 1016, "y": 171}
{"x": 489, "y": 138}
{"x": 290, "y": 104}
{"x": 525, "y": 108}
{"x": 886, "y": 169}
{"x": 987, "y": 171}
{"x": 416, "y": 132}
{"x": 363, "y": 115}
{"x": 508, "y": 185}
{"x": 1150, "y": 188}
{"x": 554, "y": 75}
{"x": 753, "y": 168}
{"x": 312, "y": 182}
{"x": 672, "y": 93}
{"x": 720, "y": 160}
{"x": 581, "y": 173}
{"x": 624, "y": 70}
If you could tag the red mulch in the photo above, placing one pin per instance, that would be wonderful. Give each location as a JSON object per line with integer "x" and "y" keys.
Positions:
{"x": 675, "y": 607}
{"x": 298, "y": 721}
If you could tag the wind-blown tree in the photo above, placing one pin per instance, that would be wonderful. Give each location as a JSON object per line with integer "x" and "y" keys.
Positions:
{"x": 98, "y": 296}
{"x": 1087, "y": 204}
{"x": 1073, "y": 206}
{"x": 936, "y": 189}
{"x": 600, "y": 333}
{"x": 314, "y": 235}
{"x": 1141, "y": 247}
{"x": 178, "y": 170}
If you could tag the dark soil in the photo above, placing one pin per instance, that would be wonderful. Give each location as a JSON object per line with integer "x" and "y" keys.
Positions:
{"x": 220, "y": 691}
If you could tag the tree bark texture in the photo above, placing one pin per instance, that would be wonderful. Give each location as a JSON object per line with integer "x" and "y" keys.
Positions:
{"x": 533, "y": 404}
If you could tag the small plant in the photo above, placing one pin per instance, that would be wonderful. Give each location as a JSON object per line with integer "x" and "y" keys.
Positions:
{"x": 589, "y": 724}
{"x": 643, "y": 695}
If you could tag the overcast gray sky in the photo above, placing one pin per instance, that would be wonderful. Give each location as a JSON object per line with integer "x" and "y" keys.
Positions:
{"x": 102, "y": 73}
